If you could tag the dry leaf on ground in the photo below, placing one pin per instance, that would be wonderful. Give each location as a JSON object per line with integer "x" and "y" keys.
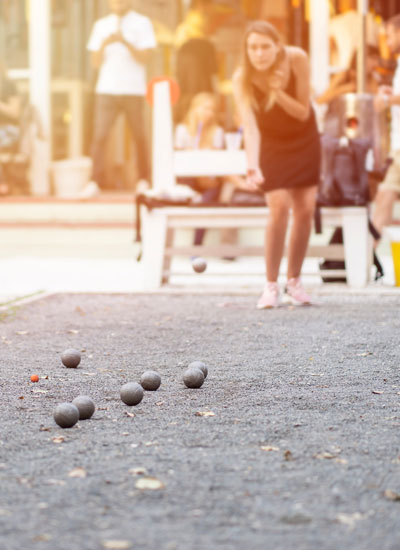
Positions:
{"x": 326, "y": 455}
{"x": 350, "y": 519}
{"x": 391, "y": 495}
{"x": 140, "y": 471}
{"x": 377, "y": 392}
{"x": 55, "y": 482}
{"x": 58, "y": 439}
{"x": 340, "y": 461}
{"x": 204, "y": 413}
{"x": 288, "y": 455}
{"x": 78, "y": 472}
{"x": 149, "y": 483}
{"x": 117, "y": 544}
{"x": 42, "y": 538}
{"x": 21, "y": 332}
{"x": 269, "y": 448}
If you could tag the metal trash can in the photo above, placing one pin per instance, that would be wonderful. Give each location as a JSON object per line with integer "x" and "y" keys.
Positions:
{"x": 356, "y": 115}
{"x": 357, "y": 118}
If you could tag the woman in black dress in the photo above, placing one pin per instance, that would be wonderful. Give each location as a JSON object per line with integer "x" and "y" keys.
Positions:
{"x": 272, "y": 93}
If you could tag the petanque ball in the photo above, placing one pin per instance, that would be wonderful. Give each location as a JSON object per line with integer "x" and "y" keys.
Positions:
{"x": 84, "y": 405}
{"x": 199, "y": 265}
{"x": 199, "y": 365}
{"x": 71, "y": 358}
{"x": 131, "y": 393}
{"x": 150, "y": 380}
{"x": 66, "y": 415}
{"x": 193, "y": 378}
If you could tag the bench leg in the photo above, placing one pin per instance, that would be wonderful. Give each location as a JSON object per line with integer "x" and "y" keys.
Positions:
{"x": 357, "y": 247}
{"x": 154, "y": 242}
{"x": 169, "y": 241}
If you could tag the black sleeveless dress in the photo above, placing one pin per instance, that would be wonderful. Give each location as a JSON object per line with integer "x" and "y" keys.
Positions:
{"x": 290, "y": 153}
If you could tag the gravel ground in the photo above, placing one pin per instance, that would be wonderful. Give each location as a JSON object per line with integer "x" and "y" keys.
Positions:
{"x": 302, "y": 449}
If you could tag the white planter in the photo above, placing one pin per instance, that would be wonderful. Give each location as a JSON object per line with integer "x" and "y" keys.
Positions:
{"x": 70, "y": 176}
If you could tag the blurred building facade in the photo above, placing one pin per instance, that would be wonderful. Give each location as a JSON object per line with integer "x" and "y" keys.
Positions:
{"x": 54, "y": 33}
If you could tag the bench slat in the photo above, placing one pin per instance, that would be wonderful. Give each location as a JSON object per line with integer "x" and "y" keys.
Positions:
{"x": 333, "y": 251}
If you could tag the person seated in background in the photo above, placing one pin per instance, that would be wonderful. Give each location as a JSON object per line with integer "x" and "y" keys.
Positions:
{"x": 345, "y": 82}
{"x": 388, "y": 98}
{"x": 200, "y": 129}
{"x": 10, "y": 111}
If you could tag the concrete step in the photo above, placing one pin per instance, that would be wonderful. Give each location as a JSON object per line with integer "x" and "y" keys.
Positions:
{"x": 109, "y": 210}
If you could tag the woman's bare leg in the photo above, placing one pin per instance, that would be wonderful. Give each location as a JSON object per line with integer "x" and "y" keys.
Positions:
{"x": 383, "y": 208}
{"x": 278, "y": 203}
{"x": 303, "y": 205}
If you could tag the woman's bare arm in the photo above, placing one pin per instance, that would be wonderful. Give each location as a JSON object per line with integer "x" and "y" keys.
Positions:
{"x": 11, "y": 108}
{"x": 300, "y": 107}
{"x": 337, "y": 87}
{"x": 251, "y": 134}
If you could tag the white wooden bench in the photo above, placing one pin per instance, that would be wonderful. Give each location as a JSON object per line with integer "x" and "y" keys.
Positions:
{"x": 160, "y": 223}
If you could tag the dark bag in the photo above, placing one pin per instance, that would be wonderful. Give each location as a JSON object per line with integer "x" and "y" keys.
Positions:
{"x": 344, "y": 179}
{"x": 344, "y": 183}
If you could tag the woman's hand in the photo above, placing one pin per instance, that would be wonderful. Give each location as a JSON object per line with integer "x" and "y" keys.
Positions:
{"x": 254, "y": 179}
{"x": 275, "y": 81}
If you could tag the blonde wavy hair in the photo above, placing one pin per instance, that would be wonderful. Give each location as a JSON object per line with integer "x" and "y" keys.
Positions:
{"x": 246, "y": 70}
{"x": 191, "y": 120}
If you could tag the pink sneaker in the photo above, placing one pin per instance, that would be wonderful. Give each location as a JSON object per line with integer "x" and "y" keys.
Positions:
{"x": 295, "y": 293}
{"x": 270, "y": 297}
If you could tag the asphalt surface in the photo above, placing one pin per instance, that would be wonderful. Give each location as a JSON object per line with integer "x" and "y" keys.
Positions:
{"x": 295, "y": 444}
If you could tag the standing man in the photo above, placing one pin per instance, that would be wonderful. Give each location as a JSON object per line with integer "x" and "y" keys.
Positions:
{"x": 120, "y": 44}
{"x": 389, "y": 98}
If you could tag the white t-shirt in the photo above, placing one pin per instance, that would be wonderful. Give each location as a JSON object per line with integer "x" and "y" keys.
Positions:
{"x": 395, "y": 112}
{"x": 184, "y": 140}
{"x": 120, "y": 73}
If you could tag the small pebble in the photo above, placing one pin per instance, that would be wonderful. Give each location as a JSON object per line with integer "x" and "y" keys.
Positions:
{"x": 193, "y": 378}
{"x": 71, "y": 358}
{"x": 66, "y": 415}
{"x": 131, "y": 393}
{"x": 199, "y": 265}
{"x": 84, "y": 405}
{"x": 199, "y": 365}
{"x": 150, "y": 380}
